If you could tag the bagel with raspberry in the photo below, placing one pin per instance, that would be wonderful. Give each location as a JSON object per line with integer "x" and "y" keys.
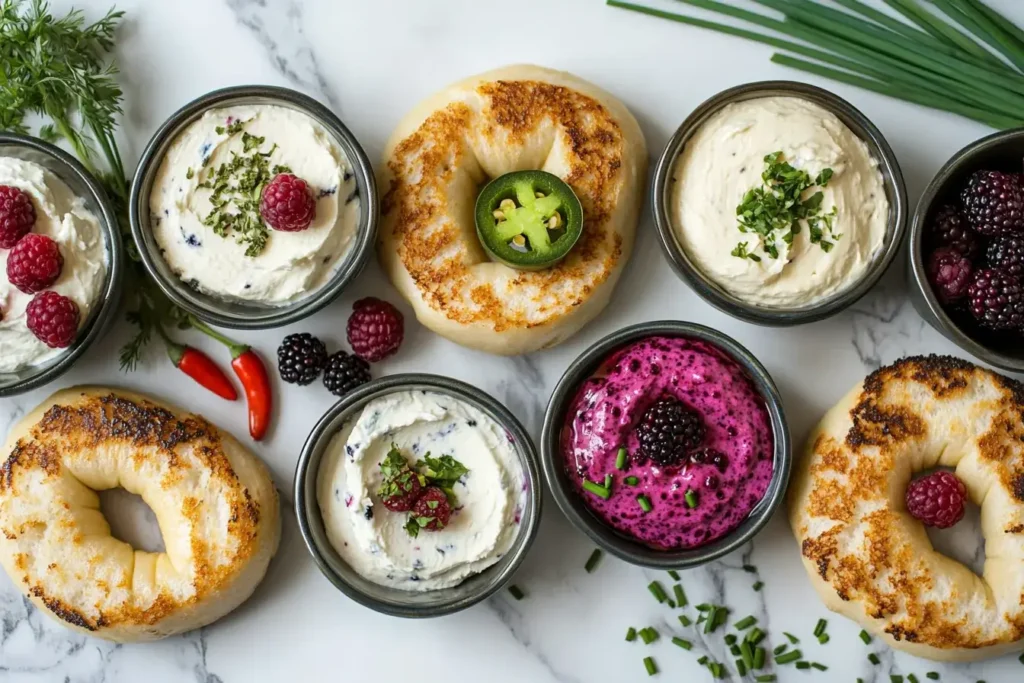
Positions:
{"x": 868, "y": 557}
{"x": 214, "y": 501}
{"x": 446, "y": 149}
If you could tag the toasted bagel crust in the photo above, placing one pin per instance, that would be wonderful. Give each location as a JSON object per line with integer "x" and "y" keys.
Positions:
{"x": 511, "y": 119}
{"x": 215, "y": 503}
{"x": 867, "y": 557}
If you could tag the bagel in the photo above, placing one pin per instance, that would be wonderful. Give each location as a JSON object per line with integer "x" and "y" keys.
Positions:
{"x": 215, "y": 503}
{"x": 867, "y": 557}
{"x": 512, "y": 119}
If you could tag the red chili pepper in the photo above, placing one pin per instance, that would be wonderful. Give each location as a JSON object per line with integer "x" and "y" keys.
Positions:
{"x": 199, "y": 367}
{"x": 251, "y": 371}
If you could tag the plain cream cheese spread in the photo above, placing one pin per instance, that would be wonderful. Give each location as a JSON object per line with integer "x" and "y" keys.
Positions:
{"x": 292, "y": 264}
{"x": 63, "y": 217}
{"x": 724, "y": 160}
{"x": 372, "y": 539}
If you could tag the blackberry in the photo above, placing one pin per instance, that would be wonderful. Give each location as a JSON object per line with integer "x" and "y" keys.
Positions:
{"x": 345, "y": 372}
{"x": 1007, "y": 253}
{"x": 996, "y": 299}
{"x": 993, "y": 203}
{"x": 300, "y": 358}
{"x": 668, "y": 431}
{"x": 949, "y": 229}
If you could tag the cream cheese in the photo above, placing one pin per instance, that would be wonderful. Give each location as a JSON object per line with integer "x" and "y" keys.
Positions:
{"x": 372, "y": 539}
{"x": 725, "y": 158}
{"x": 64, "y": 218}
{"x": 292, "y": 264}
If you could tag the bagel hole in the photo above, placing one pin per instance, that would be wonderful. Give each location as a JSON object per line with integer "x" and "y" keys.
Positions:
{"x": 963, "y": 541}
{"x": 131, "y": 520}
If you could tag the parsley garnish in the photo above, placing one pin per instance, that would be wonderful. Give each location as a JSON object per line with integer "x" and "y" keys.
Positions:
{"x": 441, "y": 472}
{"x": 777, "y": 209}
{"x": 398, "y": 476}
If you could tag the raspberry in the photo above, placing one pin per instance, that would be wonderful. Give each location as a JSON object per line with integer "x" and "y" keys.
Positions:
{"x": 300, "y": 358}
{"x": 345, "y": 372}
{"x": 668, "y": 431}
{"x": 288, "y": 203}
{"x": 375, "y": 329}
{"x": 34, "y": 263}
{"x": 17, "y": 215}
{"x": 996, "y": 299}
{"x": 949, "y": 273}
{"x": 948, "y": 229}
{"x": 993, "y": 203}
{"x": 1007, "y": 252}
{"x": 937, "y": 500}
{"x": 401, "y": 486}
{"x": 432, "y": 511}
{"x": 53, "y": 319}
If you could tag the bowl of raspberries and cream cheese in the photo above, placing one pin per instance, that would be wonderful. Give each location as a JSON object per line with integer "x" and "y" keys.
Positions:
{"x": 253, "y": 207}
{"x": 666, "y": 443}
{"x": 417, "y": 495}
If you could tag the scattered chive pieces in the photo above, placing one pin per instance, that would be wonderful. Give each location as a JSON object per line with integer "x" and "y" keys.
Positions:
{"x": 701, "y": 619}
{"x": 873, "y": 658}
{"x": 703, "y": 607}
{"x": 755, "y": 636}
{"x": 608, "y": 481}
{"x": 934, "y": 675}
{"x": 741, "y": 668}
{"x": 703, "y": 660}
{"x": 631, "y": 481}
{"x": 896, "y": 678}
{"x": 735, "y": 650}
{"x": 596, "y": 489}
{"x": 780, "y": 649}
{"x": 745, "y": 622}
{"x": 866, "y": 637}
{"x": 645, "y": 503}
{"x": 630, "y": 635}
{"x": 657, "y": 591}
{"x": 758, "y": 586}
{"x": 685, "y": 644}
{"x": 803, "y": 665}
{"x": 759, "y": 655}
{"x": 722, "y": 615}
{"x": 680, "y": 595}
{"x": 765, "y": 678}
{"x": 516, "y": 592}
{"x": 820, "y": 628}
{"x": 595, "y": 557}
{"x": 712, "y": 622}
{"x": 912, "y": 678}
{"x": 730, "y": 639}
{"x": 823, "y": 638}
{"x": 822, "y": 667}
{"x": 671, "y": 603}
{"x": 651, "y": 667}
{"x": 792, "y": 639}
{"x": 1021, "y": 659}
{"x": 747, "y": 653}
{"x": 648, "y": 634}
{"x": 620, "y": 459}
{"x": 691, "y": 498}
{"x": 674, "y": 574}
{"x": 716, "y": 669}
{"x": 788, "y": 657}
{"x": 685, "y": 620}
{"x": 749, "y": 568}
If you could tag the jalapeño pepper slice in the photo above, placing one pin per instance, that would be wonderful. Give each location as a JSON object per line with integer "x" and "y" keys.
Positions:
{"x": 528, "y": 220}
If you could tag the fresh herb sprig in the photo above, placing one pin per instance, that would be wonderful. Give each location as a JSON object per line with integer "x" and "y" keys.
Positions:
{"x": 398, "y": 476}
{"x": 443, "y": 472}
{"x": 777, "y": 209}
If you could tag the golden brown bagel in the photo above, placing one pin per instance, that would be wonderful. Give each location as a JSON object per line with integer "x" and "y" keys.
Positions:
{"x": 512, "y": 119}
{"x": 215, "y": 503}
{"x": 867, "y": 557}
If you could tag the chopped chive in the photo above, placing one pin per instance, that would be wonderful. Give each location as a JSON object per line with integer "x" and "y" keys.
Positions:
{"x": 712, "y": 622}
{"x": 741, "y": 668}
{"x": 750, "y": 569}
{"x": 873, "y": 658}
{"x": 759, "y": 655}
{"x": 720, "y": 616}
{"x": 758, "y": 586}
{"x": 823, "y": 638}
{"x": 620, "y": 459}
{"x": 648, "y": 634}
{"x": 735, "y": 650}
{"x": 701, "y": 619}
{"x": 747, "y": 652}
{"x": 1021, "y": 659}
{"x": 691, "y": 498}
{"x": 716, "y": 669}
{"x": 680, "y": 595}
{"x": 866, "y": 637}
{"x": 685, "y": 644}
{"x": 896, "y": 678}
{"x": 685, "y": 620}
{"x": 792, "y": 639}
{"x": 674, "y": 574}
{"x": 730, "y": 639}
{"x": 755, "y": 636}
{"x": 657, "y": 591}
{"x": 516, "y": 592}
{"x": 671, "y": 603}
{"x": 789, "y": 657}
{"x": 645, "y": 503}
{"x": 591, "y": 564}
{"x": 631, "y": 481}
{"x": 651, "y": 667}
{"x": 745, "y": 622}
{"x": 608, "y": 481}
{"x": 934, "y": 675}
{"x": 596, "y": 489}
{"x": 630, "y": 635}
{"x": 703, "y": 607}
{"x": 780, "y": 649}
{"x": 703, "y": 660}
{"x": 822, "y": 667}
{"x": 820, "y": 628}
{"x": 803, "y": 665}
{"x": 911, "y": 678}
{"x": 765, "y": 678}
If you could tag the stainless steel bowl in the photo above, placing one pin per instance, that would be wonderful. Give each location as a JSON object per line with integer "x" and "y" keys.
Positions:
{"x": 241, "y": 314}
{"x": 999, "y": 151}
{"x": 390, "y": 600}
{"x": 715, "y": 295}
{"x": 82, "y": 183}
{"x": 611, "y": 540}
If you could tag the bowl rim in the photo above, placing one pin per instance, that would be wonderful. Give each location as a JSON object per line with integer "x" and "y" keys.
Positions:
{"x": 307, "y": 509}
{"x": 861, "y": 126}
{"x": 109, "y": 300}
{"x": 254, "y": 317}
{"x": 570, "y": 503}
{"x": 962, "y": 158}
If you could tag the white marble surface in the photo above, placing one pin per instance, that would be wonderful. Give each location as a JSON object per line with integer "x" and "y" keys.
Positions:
{"x": 371, "y": 60}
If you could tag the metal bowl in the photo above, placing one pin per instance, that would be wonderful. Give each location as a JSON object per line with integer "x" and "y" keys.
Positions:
{"x": 999, "y": 151}
{"x": 710, "y": 291}
{"x": 85, "y": 186}
{"x": 242, "y": 314}
{"x": 603, "y": 535}
{"x": 392, "y": 601}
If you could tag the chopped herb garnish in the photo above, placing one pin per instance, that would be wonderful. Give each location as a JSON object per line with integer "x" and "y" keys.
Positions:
{"x": 735, "y": 650}
{"x": 758, "y": 586}
{"x": 730, "y": 639}
{"x": 747, "y": 652}
{"x": 822, "y": 667}
{"x": 685, "y": 644}
{"x": 672, "y": 572}
{"x": 803, "y": 665}
{"x": 745, "y": 622}
{"x": 873, "y": 658}
{"x": 657, "y": 591}
{"x": 750, "y": 569}
{"x": 651, "y": 667}
{"x": 911, "y": 678}
{"x": 680, "y": 595}
{"x": 516, "y": 592}
{"x": 645, "y": 503}
{"x": 630, "y": 635}
{"x": 685, "y": 620}
{"x": 712, "y": 620}
{"x": 896, "y": 678}
{"x": 741, "y": 668}
{"x": 443, "y": 472}
{"x": 399, "y": 479}
{"x": 759, "y": 655}
{"x": 648, "y": 634}
{"x": 765, "y": 678}
{"x": 788, "y": 657}
{"x": 780, "y": 649}
{"x": 866, "y": 637}
{"x": 703, "y": 660}
{"x": 820, "y": 627}
{"x": 755, "y": 636}
{"x": 631, "y": 481}
{"x": 596, "y": 489}
{"x": 934, "y": 675}
{"x": 691, "y": 498}
{"x": 620, "y": 459}
{"x": 671, "y": 603}
{"x": 793, "y": 639}
{"x": 703, "y": 607}
{"x": 595, "y": 557}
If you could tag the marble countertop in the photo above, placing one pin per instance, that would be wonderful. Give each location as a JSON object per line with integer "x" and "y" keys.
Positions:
{"x": 371, "y": 61}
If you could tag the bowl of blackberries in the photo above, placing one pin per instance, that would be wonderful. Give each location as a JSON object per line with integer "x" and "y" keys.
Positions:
{"x": 967, "y": 250}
